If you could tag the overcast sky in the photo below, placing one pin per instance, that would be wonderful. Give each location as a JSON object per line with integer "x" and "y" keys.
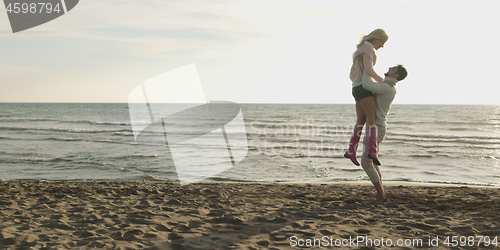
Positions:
{"x": 253, "y": 51}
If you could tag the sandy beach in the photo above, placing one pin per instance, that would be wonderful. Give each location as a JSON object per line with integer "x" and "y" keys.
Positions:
{"x": 160, "y": 215}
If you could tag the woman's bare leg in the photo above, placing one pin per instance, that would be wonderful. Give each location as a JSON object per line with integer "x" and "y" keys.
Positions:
{"x": 369, "y": 110}
{"x": 361, "y": 117}
{"x": 368, "y": 105}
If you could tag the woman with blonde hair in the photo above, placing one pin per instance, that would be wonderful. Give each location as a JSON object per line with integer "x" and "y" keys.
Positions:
{"x": 363, "y": 60}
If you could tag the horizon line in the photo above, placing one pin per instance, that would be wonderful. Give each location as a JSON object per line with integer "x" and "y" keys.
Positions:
{"x": 255, "y": 103}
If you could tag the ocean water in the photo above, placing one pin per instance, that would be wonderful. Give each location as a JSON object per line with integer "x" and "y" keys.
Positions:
{"x": 298, "y": 143}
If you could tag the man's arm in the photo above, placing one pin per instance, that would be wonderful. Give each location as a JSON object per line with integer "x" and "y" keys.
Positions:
{"x": 375, "y": 87}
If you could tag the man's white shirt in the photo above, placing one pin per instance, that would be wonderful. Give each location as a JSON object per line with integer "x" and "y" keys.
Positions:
{"x": 384, "y": 95}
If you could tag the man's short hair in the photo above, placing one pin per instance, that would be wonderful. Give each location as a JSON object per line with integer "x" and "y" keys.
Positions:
{"x": 401, "y": 72}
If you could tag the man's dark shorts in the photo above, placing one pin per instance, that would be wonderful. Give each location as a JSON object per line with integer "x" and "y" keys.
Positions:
{"x": 359, "y": 93}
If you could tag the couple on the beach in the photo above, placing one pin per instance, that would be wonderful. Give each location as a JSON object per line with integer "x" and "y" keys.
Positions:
{"x": 373, "y": 101}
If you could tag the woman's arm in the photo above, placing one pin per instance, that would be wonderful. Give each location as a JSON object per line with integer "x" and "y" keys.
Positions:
{"x": 377, "y": 88}
{"x": 366, "y": 51}
{"x": 368, "y": 67}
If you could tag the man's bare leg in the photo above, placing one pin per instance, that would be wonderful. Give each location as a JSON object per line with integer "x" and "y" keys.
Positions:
{"x": 381, "y": 197}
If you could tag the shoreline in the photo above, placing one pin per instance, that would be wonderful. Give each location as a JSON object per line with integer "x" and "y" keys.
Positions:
{"x": 366, "y": 182}
{"x": 165, "y": 215}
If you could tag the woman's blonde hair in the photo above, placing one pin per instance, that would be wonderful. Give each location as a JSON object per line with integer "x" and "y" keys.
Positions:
{"x": 376, "y": 34}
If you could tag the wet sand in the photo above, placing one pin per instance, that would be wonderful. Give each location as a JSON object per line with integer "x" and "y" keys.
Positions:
{"x": 161, "y": 215}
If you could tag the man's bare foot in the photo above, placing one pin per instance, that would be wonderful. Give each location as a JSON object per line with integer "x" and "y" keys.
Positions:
{"x": 381, "y": 199}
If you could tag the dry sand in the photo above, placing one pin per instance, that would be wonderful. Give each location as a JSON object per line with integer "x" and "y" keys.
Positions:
{"x": 160, "y": 215}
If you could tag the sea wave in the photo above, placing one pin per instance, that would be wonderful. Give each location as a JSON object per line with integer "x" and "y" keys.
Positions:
{"x": 110, "y": 123}
{"x": 421, "y": 156}
{"x": 136, "y": 156}
{"x": 411, "y": 180}
{"x": 6, "y": 138}
{"x": 28, "y": 120}
{"x": 263, "y": 121}
{"x": 309, "y": 156}
{"x": 20, "y": 154}
{"x": 444, "y": 136}
{"x": 69, "y": 139}
{"x": 294, "y": 127}
{"x": 94, "y": 122}
{"x": 124, "y": 133}
{"x": 431, "y": 123}
{"x": 45, "y": 159}
{"x": 67, "y": 130}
